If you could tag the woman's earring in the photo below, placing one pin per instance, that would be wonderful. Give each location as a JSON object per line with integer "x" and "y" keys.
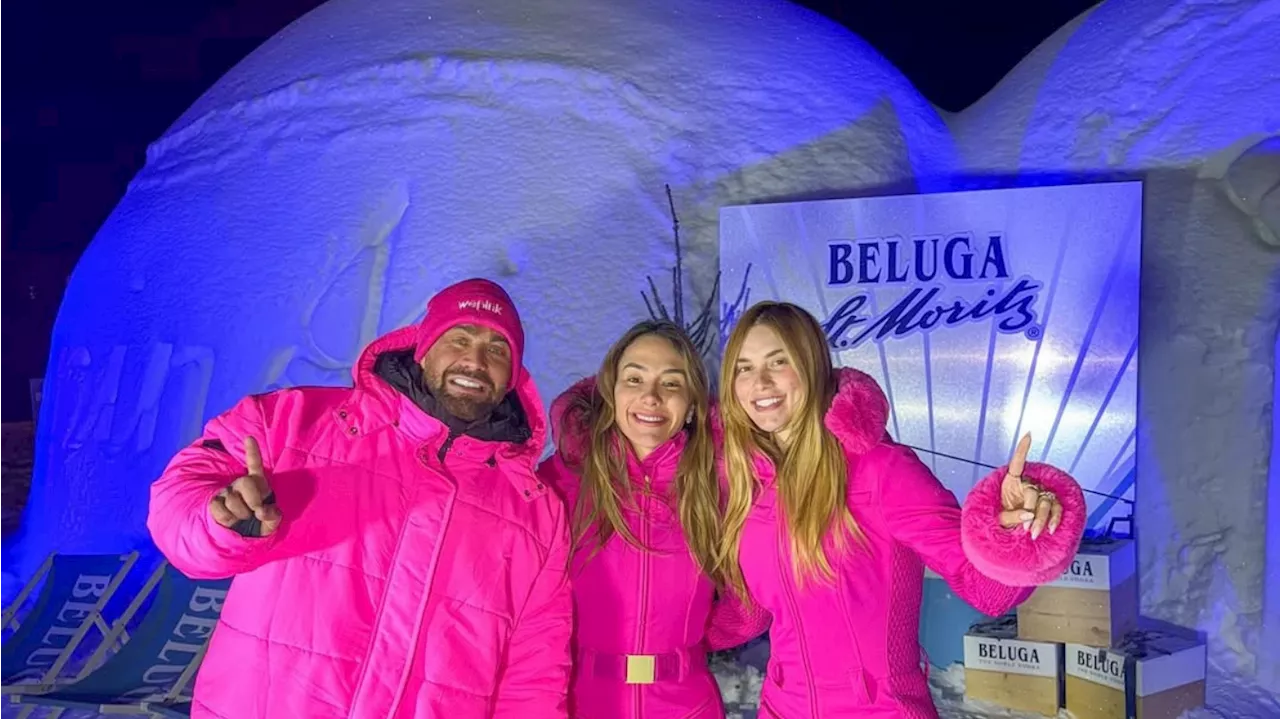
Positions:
{"x": 688, "y": 418}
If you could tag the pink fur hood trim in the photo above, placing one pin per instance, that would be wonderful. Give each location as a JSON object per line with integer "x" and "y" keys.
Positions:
{"x": 859, "y": 412}
{"x": 567, "y": 431}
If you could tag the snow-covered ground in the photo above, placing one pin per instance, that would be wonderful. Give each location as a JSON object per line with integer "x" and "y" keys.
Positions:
{"x": 1229, "y": 698}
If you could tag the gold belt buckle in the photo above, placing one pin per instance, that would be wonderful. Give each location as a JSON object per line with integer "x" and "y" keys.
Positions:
{"x": 639, "y": 669}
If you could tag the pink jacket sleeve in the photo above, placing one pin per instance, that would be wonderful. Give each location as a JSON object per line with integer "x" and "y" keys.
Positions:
{"x": 178, "y": 516}
{"x": 924, "y": 516}
{"x": 735, "y": 621}
{"x": 535, "y": 679}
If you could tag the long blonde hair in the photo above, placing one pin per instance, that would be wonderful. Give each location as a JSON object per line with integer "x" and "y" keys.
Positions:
{"x": 812, "y": 472}
{"x": 603, "y": 466}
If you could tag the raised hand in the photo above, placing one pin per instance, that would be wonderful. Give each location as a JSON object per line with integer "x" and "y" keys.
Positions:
{"x": 248, "y": 497}
{"x": 1027, "y": 503}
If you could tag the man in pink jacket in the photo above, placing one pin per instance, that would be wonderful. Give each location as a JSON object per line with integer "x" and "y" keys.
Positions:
{"x": 394, "y": 552}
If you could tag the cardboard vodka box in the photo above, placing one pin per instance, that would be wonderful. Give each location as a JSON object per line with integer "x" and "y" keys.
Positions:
{"x": 1015, "y": 673}
{"x": 1095, "y": 602}
{"x": 1152, "y": 674}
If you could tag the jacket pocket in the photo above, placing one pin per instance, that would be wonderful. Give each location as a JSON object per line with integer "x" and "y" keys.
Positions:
{"x": 865, "y": 687}
{"x": 847, "y": 687}
{"x": 905, "y": 688}
{"x": 476, "y": 564}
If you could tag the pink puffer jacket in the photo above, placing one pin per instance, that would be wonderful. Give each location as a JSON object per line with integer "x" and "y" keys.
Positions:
{"x": 416, "y": 573}
{"x": 646, "y": 604}
{"x": 851, "y": 649}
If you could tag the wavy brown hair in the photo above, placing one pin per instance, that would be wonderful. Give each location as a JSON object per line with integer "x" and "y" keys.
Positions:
{"x": 603, "y": 461}
{"x": 812, "y": 472}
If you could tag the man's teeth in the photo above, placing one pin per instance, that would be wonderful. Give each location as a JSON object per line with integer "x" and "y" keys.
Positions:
{"x": 468, "y": 383}
{"x": 767, "y": 403}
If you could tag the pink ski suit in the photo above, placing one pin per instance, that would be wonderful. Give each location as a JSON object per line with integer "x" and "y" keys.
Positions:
{"x": 851, "y": 649}
{"x": 644, "y": 604}
{"x": 419, "y": 571}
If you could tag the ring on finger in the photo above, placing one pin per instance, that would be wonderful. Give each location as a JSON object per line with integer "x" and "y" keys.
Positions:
{"x": 1047, "y": 496}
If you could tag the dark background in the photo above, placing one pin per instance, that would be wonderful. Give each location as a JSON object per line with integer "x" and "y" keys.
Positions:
{"x": 87, "y": 85}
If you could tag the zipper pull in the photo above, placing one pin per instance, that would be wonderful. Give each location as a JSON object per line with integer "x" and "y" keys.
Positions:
{"x": 448, "y": 443}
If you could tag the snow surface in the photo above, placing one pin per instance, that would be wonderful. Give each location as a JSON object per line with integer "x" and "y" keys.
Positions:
{"x": 376, "y": 150}
{"x": 740, "y": 686}
{"x": 373, "y": 152}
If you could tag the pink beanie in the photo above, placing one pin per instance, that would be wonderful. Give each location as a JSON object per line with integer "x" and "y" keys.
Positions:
{"x": 474, "y": 302}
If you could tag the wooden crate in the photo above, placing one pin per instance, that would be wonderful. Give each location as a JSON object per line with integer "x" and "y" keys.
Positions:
{"x": 1011, "y": 672}
{"x": 1153, "y": 674}
{"x": 1095, "y": 602}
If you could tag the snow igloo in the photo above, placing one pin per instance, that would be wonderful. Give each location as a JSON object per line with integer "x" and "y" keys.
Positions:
{"x": 375, "y": 151}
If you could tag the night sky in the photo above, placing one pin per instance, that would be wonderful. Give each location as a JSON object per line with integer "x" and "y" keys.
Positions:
{"x": 87, "y": 85}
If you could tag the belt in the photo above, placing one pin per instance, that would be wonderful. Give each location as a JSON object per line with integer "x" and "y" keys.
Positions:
{"x": 640, "y": 668}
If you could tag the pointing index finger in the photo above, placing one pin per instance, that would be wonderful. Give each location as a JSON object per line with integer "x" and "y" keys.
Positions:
{"x": 1019, "y": 461}
{"x": 253, "y": 457}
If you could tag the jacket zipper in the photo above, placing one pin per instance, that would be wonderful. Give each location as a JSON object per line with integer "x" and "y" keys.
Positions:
{"x": 786, "y": 578}
{"x": 644, "y": 589}
{"x": 431, "y": 568}
{"x": 448, "y": 442}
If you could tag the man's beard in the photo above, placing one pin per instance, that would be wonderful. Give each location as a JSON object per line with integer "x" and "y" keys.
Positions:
{"x": 468, "y": 408}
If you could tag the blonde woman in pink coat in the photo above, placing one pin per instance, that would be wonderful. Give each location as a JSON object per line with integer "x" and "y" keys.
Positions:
{"x": 830, "y": 525}
{"x": 636, "y": 465}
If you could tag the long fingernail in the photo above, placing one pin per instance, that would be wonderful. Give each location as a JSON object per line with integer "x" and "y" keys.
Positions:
{"x": 1026, "y": 526}
{"x": 1026, "y": 517}
{"x": 1053, "y": 528}
{"x": 1035, "y": 534}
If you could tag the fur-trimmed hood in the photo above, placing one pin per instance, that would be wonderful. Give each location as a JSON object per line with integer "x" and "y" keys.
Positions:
{"x": 568, "y": 428}
{"x": 859, "y": 413}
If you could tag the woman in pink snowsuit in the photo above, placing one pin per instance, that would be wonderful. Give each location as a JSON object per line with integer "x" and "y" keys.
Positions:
{"x": 830, "y": 524}
{"x": 636, "y": 465}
